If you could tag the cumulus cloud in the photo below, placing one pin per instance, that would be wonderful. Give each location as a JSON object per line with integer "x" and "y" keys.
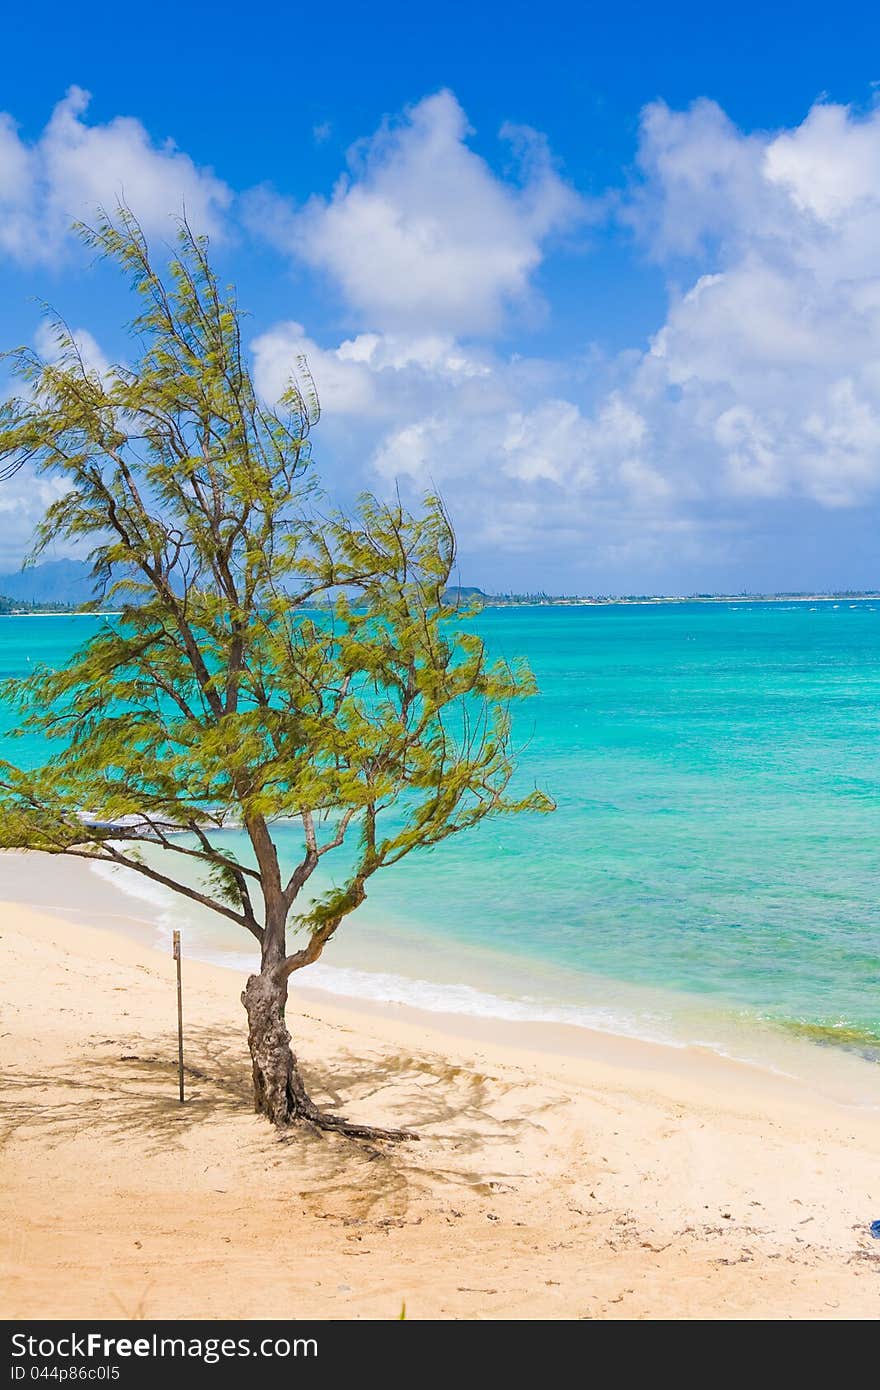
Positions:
{"x": 830, "y": 165}
{"x": 420, "y": 233}
{"x": 762, "y": 384}
{"x": 27, "y": 494}
{"x": 344, "y": 386}
{"x": 764, "y": 381}
{"x": 24, "y": 500}
{"x": 371, "y": 374}
{"x": 758, "y": 392}
{"x": 49, "y": 348}
{"x": 497, "y": 434}
{"x": 74, "y": 167}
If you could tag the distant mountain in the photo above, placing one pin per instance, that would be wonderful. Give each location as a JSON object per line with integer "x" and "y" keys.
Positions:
{"x": 463, "y": 591}
{"x": 69, "y": 581}
{"x": 57, "y": 581}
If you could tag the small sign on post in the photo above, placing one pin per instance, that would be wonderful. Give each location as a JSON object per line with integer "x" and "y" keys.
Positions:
{"x": 176, "y": 953}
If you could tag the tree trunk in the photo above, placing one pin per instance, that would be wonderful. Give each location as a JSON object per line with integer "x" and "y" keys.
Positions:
{"x": 279, "y": 1091}
{"x": 274, "y": 1065}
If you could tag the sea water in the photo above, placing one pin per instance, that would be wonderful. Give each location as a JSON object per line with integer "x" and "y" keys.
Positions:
{"x": 711, "y": 871}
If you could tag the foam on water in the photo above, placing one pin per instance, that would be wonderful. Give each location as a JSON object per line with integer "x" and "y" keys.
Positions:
{"x": 711, "y": 867}
{"x": 651, "y": 1017}
{"x": 376, "y": 986}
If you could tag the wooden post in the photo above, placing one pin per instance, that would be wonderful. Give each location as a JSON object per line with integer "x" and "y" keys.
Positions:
{"x": 176, "y": 953}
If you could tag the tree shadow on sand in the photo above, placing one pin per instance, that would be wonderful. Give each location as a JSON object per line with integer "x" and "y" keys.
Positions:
{"x": 126, "y": 1089}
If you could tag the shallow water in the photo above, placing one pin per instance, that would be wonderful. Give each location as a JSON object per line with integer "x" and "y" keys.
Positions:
{"x": 711, "y": 871}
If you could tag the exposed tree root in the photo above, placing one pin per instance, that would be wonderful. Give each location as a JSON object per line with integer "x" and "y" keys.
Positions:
{"x": 312, "y": 1114}
{"x": 279, "y": 1091}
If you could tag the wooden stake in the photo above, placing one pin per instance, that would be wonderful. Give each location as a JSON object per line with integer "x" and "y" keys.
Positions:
{"x": 176, "y": 953}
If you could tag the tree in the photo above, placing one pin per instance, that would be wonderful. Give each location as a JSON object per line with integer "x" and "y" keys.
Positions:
{"x": 272, "y": 660}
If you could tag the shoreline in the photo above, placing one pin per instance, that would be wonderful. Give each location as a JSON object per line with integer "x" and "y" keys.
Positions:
{"x": 79, "y": 894}
{"x": 577, "y": 601}
{"x": 558, "y": 1045}
{"x": 545, "y": 1184}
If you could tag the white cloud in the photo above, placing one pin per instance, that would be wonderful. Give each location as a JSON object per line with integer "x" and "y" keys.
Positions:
{"x": 16, "y": 192}
{"x": 829, "y": 165}
{"x": 344, "y": 385}
{"x": 552, "y": 442}
{"x": 760, "y": 389}
{"x": 27, "y": 494}
{"x": 74, "y": 167}
{"x": 24, "y": 500}
{"x": 509, "y": 451}
{"x": 764, "y": 381}
{"x": 761, "y": 385}
{"x": 47, "y": 345}
{"x": 372, "y": 374}
{"x": 421, "y": 234}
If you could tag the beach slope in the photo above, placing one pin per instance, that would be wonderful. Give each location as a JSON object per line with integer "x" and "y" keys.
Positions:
{"x": 637, "y": 1183}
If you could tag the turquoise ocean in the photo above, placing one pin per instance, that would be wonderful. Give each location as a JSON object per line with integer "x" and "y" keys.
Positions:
{"x": 711, "y": 873}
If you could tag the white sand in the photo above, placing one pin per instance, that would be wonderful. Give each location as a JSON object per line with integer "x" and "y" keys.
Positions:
{"x": 629, "y": 1181}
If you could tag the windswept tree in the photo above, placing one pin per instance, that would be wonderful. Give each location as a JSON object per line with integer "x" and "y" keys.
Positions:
{"x": 273, "y": 660}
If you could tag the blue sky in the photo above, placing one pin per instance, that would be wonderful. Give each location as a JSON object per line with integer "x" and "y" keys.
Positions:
{"x": 608, "y": 276}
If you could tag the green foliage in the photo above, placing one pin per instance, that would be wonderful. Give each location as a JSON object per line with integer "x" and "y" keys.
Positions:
{"x": 273, "y": 659}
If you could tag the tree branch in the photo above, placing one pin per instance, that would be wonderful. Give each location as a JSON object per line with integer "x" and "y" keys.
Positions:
{"x": 112, "y": 856}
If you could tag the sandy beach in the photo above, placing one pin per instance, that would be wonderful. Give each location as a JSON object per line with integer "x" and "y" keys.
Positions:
{"x": 630, "y": 1181}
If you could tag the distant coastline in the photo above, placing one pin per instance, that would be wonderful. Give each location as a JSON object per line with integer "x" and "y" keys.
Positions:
{"x": 487, "y": 600}
{"x": 12, "y": 609}
{"x": 61, "y": 613}
{"x": 59, "y": 587}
